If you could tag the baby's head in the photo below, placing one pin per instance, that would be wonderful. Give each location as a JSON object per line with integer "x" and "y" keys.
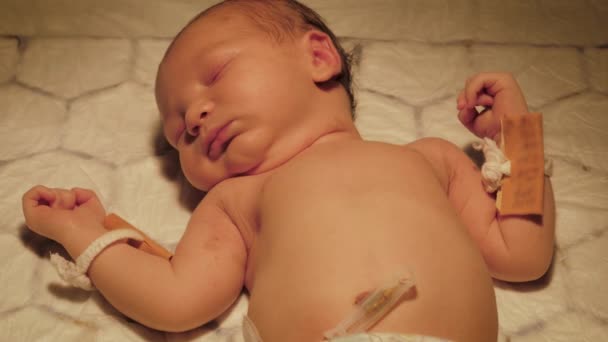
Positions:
{"x": 248, "y": 84}
{"x": 288, "y": 19}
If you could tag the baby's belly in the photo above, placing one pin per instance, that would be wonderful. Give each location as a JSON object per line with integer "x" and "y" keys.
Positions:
{"x": 309, "y": 286}
{"x": 322, "y": 245}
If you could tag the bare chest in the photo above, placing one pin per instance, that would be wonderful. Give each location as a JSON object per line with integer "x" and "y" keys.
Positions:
{"x": 331, "y": 224}
{"x": 360, "y": 199}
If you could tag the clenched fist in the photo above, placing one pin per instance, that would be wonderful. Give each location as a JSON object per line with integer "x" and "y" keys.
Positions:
{"x": 59, "y": 213}
{"x": 501, "y": 97}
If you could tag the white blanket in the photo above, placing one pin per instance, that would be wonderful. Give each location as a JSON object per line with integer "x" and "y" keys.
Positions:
{"x": 77, "y": 109}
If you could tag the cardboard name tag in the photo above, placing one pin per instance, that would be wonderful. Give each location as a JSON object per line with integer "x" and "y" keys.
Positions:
{"x": 522, "y": 192}
{"x": 113, "y": 221}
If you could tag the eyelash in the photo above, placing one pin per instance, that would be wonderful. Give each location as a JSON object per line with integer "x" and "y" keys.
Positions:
{"x": 215, "y": 75}
{"x": 219, "y": 70}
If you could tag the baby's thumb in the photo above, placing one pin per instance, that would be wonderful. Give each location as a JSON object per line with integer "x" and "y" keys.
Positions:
{"x": 486, "y": 125}
{"x": 467, "y": 116}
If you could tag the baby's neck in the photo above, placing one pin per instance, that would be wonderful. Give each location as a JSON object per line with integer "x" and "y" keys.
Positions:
{"x": 338, "y": 136}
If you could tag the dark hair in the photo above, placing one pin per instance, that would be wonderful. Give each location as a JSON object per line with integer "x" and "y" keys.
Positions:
{"x": 313, "y": 19}
{"x": 287, "y": 18}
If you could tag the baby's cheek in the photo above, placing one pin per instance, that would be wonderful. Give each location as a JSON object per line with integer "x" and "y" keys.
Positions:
{"x": 247, "y": 151}
{"x": 198, "y": 172}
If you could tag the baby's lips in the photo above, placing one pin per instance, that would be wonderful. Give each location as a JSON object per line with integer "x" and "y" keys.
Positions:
{"x": 214, "y": 150}
{"x": 217, "y": 143}
{"x": 209, "y": 137}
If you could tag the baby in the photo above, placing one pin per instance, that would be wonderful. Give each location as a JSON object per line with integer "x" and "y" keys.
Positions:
{"x": 308, "y": 217}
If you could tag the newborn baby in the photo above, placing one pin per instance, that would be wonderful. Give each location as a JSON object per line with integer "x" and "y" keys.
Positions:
{"x": 300, "y": 210}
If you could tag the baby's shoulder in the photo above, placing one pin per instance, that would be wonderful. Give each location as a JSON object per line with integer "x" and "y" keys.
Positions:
{"x": 429, "y": 145}
{"x": 237, "y": 195}
{"x": 439, "y": 153}
{"x": 436, "y": 150}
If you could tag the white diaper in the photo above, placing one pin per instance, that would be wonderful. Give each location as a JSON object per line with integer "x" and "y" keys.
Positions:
{"x": 250, "y": 334}
{"x": 386, "y": 337}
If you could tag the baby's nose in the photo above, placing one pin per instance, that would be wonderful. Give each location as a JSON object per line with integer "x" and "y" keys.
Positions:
{"x": 194, "y": 121}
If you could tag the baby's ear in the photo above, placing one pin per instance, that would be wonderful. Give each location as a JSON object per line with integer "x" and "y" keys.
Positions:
{"x": 325, "y": 60}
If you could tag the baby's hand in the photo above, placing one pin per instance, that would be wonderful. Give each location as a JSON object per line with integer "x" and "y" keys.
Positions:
{"x": 57, "y": 213}
{"x": 501, "y": 96}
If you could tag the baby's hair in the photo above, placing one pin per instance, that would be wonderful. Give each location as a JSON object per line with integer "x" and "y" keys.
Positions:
{"x": 284, "y": 19}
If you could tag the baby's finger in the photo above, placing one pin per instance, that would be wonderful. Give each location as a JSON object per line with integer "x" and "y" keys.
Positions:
{"x": 467, "y": 117}
{"x": 65, "y": 199}
{"x": 36, "y": 203}
{"x": 485, "y": 125}
{"x": 461, "y": 102}
{"x": 484, "y": 100}
{"x": 477, "y": 85}
{"x": 88, "y": 199}
{"x": 83, "y": 195}
{"x": 38, "y": 195}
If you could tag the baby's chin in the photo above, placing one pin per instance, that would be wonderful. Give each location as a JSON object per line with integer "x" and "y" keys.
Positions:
{"x": 230, "y": 165}
{"x": 242, "y": 163}
{"x": 206, "y": 174}
{"x": 246, "y": 153}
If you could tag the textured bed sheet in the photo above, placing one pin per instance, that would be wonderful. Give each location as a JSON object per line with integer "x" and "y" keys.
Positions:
{"x": 77, "y": 109}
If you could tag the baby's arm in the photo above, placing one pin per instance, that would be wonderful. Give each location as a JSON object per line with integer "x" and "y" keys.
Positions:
{"x": 515, "y": 248}
{"x": 201, "y": 281}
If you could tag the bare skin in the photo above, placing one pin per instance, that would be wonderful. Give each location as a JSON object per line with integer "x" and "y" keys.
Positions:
{"x": 300, "y": 210}
{"x": 340, "y": 233}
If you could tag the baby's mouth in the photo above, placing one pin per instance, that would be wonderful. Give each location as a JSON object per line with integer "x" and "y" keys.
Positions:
{"x": 219, "y": 143}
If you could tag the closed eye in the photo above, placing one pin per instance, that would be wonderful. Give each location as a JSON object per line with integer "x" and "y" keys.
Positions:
{"x": 215, "y": 74}
{"x": 219, "y": 70}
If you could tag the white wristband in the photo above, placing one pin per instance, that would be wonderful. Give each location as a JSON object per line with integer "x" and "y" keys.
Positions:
{"x": 496, "y": 165}
{"x": 75, "y": 274}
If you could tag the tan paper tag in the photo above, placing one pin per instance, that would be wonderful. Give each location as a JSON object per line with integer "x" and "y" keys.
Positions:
{"x": 522, "y": 140}
{"x": 113, "y": 221}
